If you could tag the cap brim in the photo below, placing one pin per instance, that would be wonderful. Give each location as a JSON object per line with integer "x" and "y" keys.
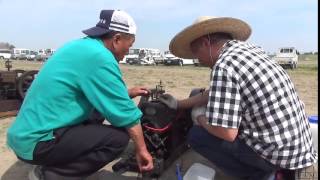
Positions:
{"x": 95, "y": 31}
{"x": 180, "y": 44}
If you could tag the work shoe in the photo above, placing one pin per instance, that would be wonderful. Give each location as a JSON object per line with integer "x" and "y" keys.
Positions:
{"x": 307, "y": 173}
{"x": 36, "y": 173}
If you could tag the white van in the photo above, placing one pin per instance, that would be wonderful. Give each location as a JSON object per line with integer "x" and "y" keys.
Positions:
{"x": 5, "y": 54}
{"x": 20, "y": 53}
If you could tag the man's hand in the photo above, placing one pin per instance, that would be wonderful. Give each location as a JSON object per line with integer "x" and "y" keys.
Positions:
{"x": 169, "y": 100}
{"x": 138, "y": 91}
{"x": 144, "y": 160}
{"x": 196, "y": 112}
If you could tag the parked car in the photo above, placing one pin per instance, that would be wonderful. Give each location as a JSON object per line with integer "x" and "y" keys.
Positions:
{"x": 171, "y": 59}
{"x": 5, "y": 54}
{"x": 32, "y": 55}
{"x": 44, "y": 54}
{"x": 41, "y": 55}
{"x": 287, "y": 56}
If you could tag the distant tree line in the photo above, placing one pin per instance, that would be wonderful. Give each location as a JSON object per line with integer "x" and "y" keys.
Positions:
{"x": 5, "y": 45}
{"x": 308, "y": 53}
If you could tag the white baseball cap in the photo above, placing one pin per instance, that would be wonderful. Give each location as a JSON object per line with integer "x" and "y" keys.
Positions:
{"x": 112, "y": 20}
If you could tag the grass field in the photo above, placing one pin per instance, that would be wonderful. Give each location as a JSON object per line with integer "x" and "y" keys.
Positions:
{"x": 179, "y": 81}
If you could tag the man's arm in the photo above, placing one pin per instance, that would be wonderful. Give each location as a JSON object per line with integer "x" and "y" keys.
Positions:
{"x": 138, "y": 91}
{"x": 197, "y": 100}
{"x": 228, "y": 134}
{"x": 144, "y": 159}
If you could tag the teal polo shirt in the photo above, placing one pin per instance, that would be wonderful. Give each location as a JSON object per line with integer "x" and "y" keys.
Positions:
{"x": 80, "y": 76}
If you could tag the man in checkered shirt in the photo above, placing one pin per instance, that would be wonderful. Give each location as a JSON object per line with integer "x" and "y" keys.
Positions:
{"x": 251, "y": 121}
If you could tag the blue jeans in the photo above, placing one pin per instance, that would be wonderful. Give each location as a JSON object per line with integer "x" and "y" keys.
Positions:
{"x": 233, "y": 158}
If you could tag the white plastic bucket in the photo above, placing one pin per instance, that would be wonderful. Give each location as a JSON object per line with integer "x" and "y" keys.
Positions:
{"x": 314, "y": 130}
{"x": 199, "y": 172}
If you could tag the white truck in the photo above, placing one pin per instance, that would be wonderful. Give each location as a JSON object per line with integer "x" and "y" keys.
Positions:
{"x": 157, "y": 56}
{"x": 141, "y": 56}
{"x": 149, "y": 56}
{"x": 131, "y": 57}
{"x": 287, "y": 56}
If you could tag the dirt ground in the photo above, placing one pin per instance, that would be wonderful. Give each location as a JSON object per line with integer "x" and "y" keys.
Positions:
{"x": 178, "y": 81}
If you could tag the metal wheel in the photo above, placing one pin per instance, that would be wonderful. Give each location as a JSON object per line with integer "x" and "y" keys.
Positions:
{"x": 24, "y": 82}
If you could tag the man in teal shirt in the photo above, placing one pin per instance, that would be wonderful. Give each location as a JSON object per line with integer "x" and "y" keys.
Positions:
{"x": 54, "y": 128}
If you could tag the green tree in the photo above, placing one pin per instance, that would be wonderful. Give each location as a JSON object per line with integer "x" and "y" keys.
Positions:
{"x": 6, "y": 45}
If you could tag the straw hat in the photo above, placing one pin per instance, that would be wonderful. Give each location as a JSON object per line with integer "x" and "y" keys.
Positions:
{"x": 180, "y": 44}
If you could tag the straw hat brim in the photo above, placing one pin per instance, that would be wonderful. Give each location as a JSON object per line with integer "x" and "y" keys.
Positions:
{"x": 180, "y": 44}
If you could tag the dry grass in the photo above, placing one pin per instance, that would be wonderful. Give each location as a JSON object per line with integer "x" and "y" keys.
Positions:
{"x": 178, "y": 81}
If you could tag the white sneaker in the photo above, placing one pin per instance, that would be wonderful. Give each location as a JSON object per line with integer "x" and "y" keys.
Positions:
{"x": 36, "y": 173}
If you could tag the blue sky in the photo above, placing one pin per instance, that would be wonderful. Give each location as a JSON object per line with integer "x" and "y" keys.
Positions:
{"x": 38, "y": 24}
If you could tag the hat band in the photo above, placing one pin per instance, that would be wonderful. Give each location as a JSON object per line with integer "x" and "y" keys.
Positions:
{"x": 112, "y": 27}
{"x": 120, "y": 24}
{"x": 118, "y": 27}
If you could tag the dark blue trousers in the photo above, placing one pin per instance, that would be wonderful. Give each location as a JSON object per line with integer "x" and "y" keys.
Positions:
{"x": 233, "y": 158}
{"x": 80, "y": 150}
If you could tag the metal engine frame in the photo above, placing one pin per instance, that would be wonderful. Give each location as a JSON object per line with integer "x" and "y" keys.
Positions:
{"x": 165, "y": 133}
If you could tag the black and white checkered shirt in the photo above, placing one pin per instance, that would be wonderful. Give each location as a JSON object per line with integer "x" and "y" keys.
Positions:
{"x": 250, "y": 92}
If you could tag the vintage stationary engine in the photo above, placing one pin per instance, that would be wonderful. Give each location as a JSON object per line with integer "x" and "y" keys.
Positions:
{"x": 165, "y": 132}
